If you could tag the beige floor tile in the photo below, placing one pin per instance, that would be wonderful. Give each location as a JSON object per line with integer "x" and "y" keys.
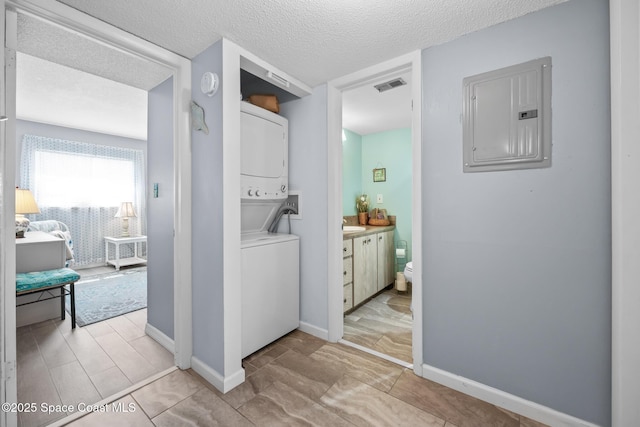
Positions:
{"x": 88, "y": 352}
{"x": 306, "y": 375}
{"x": 53, "y": 347}
{"x": 301, "y": 342}
{"x": 110, "y": 381}
{"x": 383, "y": 324}
{"x": 124, "y": 412}
{"x": 138, "y": 317}
{"x": 265, "y": 355}
{"x": 99, "y": 329}
{"x": 280, "y": 405}
{"x": 449, "y": 404}
{"x": 396, "y": 345}
{"x": 35, "y": 385}
{"x": 126, "y": 328}
{"x": 156, "y": 354}
{"x": 359, "y": 334}
{"x": 369, "y": 369}
{"x": 203, "y": 408}
{"x": 130, "y": 362}
{"x": 162, "y": 394}
{"x": 73, "y": 384}
{"x": 364, "y": 405}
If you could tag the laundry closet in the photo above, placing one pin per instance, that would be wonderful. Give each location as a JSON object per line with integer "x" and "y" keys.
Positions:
{"x": 270, "y": 255}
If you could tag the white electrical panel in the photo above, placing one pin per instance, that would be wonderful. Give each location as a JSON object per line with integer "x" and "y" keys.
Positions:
{"x": 507, "y": 118}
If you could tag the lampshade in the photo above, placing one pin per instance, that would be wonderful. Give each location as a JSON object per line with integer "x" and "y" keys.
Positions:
{"x": 126, "y": 210}
{"x": 25, "y": 203}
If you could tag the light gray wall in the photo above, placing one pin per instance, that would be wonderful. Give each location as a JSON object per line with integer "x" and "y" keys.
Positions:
{"x": 308, "y": 174}
{"x": 160, "y": 210}
{"x": 517, "y": 269}
{"x": 70, "y": 134}
{"x": 207, "y": 245}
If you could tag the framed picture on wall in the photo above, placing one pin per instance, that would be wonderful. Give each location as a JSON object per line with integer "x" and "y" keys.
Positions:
{"x": 380, "y": 175}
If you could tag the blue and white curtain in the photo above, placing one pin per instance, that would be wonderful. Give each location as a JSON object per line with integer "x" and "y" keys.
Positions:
{"x": 83, "y": 185}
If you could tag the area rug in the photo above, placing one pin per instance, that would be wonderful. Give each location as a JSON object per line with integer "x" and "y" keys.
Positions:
{"x": 109, "y": 295}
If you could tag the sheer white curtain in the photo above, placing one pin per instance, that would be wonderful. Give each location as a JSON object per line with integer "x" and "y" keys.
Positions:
{"x": 82, "y": 185}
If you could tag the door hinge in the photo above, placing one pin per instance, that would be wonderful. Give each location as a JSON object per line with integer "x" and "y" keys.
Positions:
{"x": 8, "y": 370}
{"x": 9, "y": 57}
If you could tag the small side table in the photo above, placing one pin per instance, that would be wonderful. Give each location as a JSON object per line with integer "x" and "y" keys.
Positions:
{"x": 123, "y": 262}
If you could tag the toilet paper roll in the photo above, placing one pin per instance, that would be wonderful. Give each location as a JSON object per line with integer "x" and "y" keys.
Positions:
{"x": 400, "y": 253}
{"x": 401, "y": 282}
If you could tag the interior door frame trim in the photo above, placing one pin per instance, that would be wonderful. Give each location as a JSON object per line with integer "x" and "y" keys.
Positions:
{"x": 412, "y": 61}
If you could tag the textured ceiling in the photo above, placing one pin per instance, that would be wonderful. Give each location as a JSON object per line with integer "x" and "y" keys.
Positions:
{"x": 312, "y": 40}
{"x": 40, "y": 39}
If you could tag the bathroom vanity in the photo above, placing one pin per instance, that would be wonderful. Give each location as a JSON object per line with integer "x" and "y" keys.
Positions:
{"x": 368, "y": 263}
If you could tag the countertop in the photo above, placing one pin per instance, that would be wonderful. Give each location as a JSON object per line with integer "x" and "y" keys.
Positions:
{"x": 370, "y": 229}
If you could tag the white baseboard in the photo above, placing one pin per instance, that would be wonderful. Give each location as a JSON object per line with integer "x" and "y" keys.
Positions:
{"x": 314, "y": 330}
{"x": 214, "y": 378}
{"x": 502, "y": 399}
{"x": 161, "y": 338}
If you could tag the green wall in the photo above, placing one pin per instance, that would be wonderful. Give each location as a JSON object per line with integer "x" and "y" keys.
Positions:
{"x": 390, "y": 150}
{"x": 351, "y": 171}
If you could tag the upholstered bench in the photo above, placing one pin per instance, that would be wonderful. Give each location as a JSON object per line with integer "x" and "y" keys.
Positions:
{"x": 47, "y": 281}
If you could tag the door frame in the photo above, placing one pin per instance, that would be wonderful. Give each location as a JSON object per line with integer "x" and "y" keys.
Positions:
{"x": 412, "y": 61}
{"x": 180, "y": 67}
{"x": 625, "y": 210}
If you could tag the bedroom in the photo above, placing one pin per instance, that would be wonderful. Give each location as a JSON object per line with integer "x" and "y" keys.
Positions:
{"x": 91, "y": 127}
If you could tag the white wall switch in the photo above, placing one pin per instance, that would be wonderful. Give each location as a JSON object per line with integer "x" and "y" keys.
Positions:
{"x": 379, "y": 198}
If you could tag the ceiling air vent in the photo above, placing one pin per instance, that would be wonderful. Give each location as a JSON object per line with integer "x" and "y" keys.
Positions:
{"x": 390, "y": 84}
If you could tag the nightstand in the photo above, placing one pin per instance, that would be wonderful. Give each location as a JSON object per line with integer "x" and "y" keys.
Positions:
{"x": 116, "y": 242}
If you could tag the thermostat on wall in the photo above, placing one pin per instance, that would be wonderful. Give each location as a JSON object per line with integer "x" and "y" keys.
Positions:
{"x": 209, "y": 83}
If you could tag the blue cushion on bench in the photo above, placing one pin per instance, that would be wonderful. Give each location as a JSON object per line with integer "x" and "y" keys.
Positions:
{"x": 26, "y": 282}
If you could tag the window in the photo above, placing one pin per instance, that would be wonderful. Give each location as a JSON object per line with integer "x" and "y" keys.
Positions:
{"x": 80, "y": 180}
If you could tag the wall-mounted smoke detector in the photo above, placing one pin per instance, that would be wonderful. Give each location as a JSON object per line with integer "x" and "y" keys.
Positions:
{"x": 390, "y": 84}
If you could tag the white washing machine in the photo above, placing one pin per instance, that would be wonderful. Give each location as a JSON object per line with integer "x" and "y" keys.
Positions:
{"x": 270, "y": 288}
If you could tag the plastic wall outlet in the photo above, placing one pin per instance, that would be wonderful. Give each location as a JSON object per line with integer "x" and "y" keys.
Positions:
{"x": 379, "y": 198}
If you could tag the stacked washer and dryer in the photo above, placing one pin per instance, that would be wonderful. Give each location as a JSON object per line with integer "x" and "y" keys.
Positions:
{"x": 270, "y": 276}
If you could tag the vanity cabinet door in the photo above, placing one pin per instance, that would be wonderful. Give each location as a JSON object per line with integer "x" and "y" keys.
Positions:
{"x": 365, "y": 267}
{"x": 386, "y": 259}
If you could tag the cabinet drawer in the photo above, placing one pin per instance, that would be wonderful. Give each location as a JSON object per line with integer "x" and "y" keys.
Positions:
{"x": 347, "y": 247}
{"x": 348, "y": 297}
{"x": 347, "y": 270}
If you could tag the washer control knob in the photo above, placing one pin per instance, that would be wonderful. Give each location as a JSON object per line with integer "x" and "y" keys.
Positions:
{"x": 250, "y": 193}
{"x": 283, "y": 188}
{"x": 257, "y": 193}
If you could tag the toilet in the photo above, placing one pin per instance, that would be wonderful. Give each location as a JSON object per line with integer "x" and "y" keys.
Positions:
{"x": 408, "y": 271}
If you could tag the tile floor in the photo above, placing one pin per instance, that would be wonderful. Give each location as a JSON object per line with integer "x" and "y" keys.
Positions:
{"x": 302, "y": 380}
{"x": 383, "y": 324}
{"x": 58, "y": 365}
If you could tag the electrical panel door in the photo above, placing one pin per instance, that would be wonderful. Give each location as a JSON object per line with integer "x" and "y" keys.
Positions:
{"x": 507, "y": 118}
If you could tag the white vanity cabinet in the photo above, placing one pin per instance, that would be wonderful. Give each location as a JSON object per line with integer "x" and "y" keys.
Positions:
{"x": 347, "y": 274}
{"x": 386, "y": 257}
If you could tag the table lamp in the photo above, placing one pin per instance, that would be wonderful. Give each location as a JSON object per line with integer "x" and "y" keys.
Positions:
{"x": 25, "y": 204}
{"x": 125, "y": 212}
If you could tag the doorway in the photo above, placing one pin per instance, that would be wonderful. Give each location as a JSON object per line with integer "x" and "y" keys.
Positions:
{"x": 92, "y": 29}
{"x": 376, "y": 180}
{"x": 409, "y": 63}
